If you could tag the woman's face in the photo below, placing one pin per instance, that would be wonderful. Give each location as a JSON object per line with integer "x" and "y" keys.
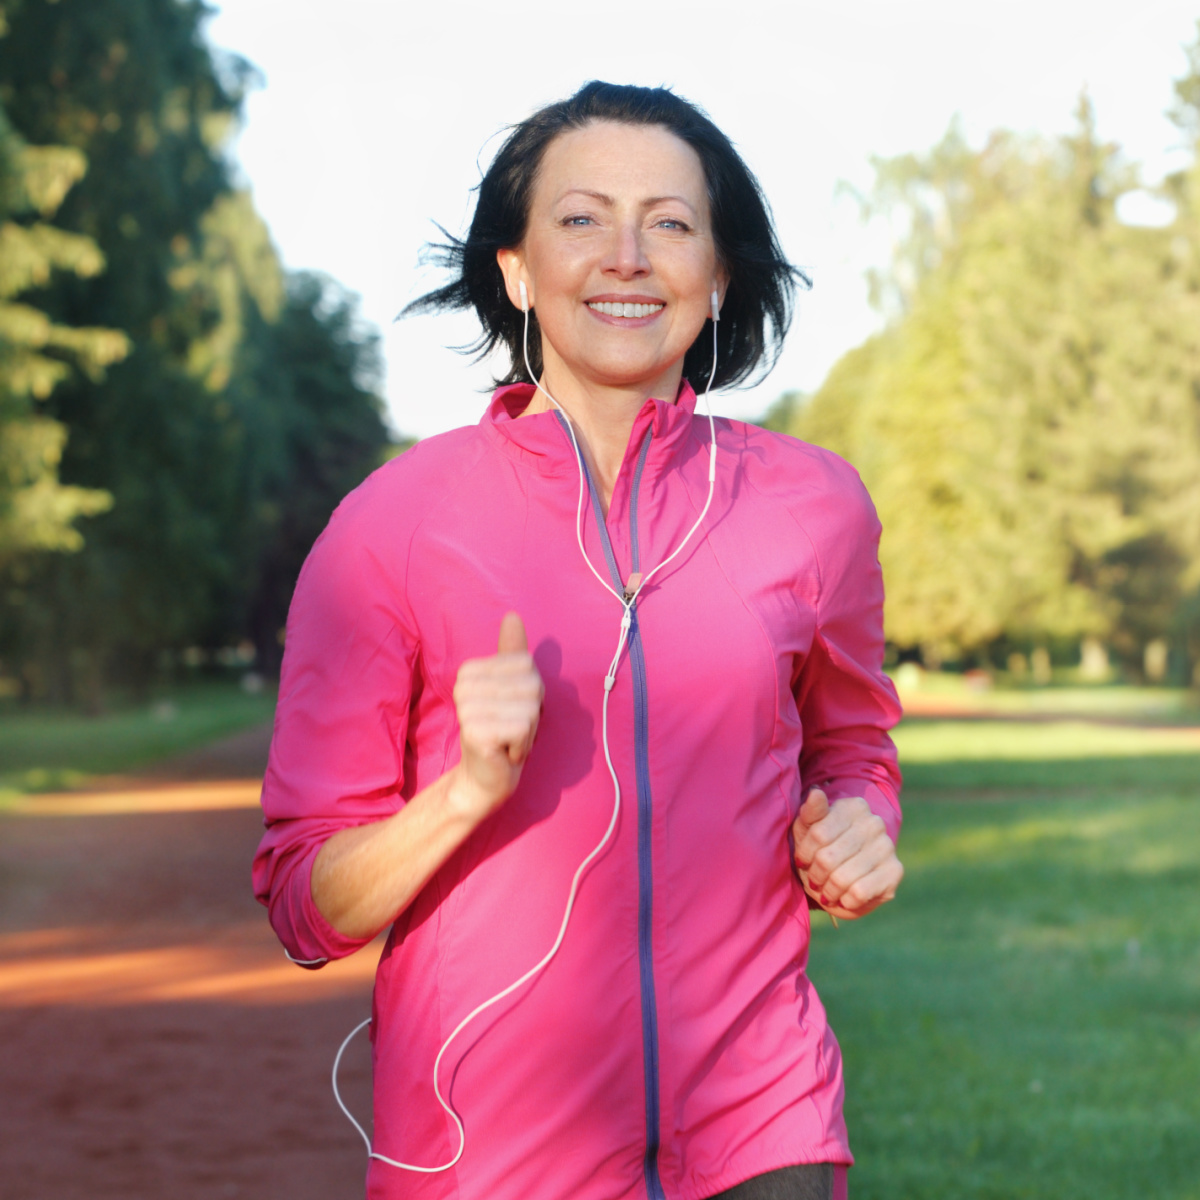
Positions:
{"x": 619, "y": 216}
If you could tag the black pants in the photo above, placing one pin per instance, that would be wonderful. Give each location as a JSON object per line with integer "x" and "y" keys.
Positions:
{"x": 811, "y": 1182}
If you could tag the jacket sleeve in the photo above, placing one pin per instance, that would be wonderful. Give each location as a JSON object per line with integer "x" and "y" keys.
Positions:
{"x": 337, "y": 754}
{"x": 846, "y": 703}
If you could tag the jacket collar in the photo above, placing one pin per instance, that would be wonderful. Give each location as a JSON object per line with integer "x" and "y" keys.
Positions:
{"x": 541, "y": 442}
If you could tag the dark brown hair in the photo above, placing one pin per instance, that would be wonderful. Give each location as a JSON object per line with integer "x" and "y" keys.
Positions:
{"x": 762, "y": 283}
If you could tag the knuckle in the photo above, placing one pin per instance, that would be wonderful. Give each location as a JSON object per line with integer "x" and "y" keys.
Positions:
{"x": 840, "y": 881}
{"x": 824, "y": 859}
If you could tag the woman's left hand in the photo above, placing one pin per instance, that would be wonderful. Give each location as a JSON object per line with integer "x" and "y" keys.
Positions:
{"x": 843, "y": 855}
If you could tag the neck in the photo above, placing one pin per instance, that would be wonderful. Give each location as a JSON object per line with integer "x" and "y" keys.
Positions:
{"x": 602, "y": 415}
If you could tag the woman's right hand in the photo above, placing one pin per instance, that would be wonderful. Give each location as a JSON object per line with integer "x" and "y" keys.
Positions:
{"x": 498, "y": 701}
{"x": 365, "y": 876}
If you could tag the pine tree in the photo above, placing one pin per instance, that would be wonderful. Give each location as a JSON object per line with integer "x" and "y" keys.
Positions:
{"x": 223, "y": 437}
{"x": 37, "y": 511}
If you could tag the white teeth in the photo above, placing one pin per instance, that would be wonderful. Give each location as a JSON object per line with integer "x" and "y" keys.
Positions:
{"x": 626, "y": 310}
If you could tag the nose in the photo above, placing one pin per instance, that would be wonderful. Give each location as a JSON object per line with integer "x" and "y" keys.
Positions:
{"x": 626, "y": 258}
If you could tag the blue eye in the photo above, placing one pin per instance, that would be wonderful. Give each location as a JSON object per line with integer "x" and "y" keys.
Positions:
{"x": 577, "y": 221}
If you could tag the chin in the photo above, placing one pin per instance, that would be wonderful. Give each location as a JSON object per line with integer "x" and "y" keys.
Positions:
{"x": 624, "y": 373}
{"x": 631, "y": 382}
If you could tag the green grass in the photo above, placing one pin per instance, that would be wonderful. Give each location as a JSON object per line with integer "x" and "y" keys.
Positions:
{"x": 1024, "y": 1020}
{"x": 937, "y": 755}
{"x": 1120, "y": 700}
{"x": 44, "y": 750}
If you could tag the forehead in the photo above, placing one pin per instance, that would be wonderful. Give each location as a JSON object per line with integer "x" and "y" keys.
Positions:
{"x": 626, "y": 162}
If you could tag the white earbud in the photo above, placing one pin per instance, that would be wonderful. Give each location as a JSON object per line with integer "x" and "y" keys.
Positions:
{"x": 716, "y": 305}
{"x": 525, "y": 295}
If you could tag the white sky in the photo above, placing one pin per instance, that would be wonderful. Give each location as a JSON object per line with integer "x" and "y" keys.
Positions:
{"x": 375, "y": 112}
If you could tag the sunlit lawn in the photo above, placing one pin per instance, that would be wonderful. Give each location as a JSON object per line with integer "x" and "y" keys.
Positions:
{"x": 1024, "y": 1020}
{"x": 1118, "y": 700}
{"x": 51, "y": 749}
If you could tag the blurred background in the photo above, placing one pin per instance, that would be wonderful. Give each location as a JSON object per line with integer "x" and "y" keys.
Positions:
{"x": 210, "y": 216}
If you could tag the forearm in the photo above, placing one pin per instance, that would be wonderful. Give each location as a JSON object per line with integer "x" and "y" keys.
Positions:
{"x": 364, "y": 878}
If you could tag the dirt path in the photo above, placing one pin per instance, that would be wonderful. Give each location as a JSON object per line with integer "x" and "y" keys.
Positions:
{"x": 156, "y": 1043}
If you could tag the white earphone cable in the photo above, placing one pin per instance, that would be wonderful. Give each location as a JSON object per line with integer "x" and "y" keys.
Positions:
{"x": 712, "y": 455}
{"x": 610, "y": 680}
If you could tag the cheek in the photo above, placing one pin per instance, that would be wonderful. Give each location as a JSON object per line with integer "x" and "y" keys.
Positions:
{"x": 559, "y": 276}
{"x": 704, "y": 275}
{"x": 689, "y": 321}
{"x": 692, "y": 277}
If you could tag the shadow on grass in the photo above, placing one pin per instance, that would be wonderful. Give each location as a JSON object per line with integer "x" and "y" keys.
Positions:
{"x": 1051, "y": 775}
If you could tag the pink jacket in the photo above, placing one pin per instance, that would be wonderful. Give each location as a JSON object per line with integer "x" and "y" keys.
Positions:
{"x": 675, "y": 1046}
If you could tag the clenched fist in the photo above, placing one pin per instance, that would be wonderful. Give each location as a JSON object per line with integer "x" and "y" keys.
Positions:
{"x": 844, "y": 857}
{"x": 498, "y": 701}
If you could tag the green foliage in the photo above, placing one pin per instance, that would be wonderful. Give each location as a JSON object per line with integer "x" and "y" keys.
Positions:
{"x": 1021, "y": 1021}
{"x": 1028, "y": 422}
{"x": 248, "y": 403}
{"x": 37, "y": 512}
{"x": 309, "y": 421}
{"x": 1185, "y": 112}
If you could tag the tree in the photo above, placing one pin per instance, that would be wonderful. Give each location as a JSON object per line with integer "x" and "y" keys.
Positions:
{"x": 1183, "y": 274}
{"x": 1027, "y": 420}
{"x": 37, "y": 511}
{"x": 130, "y": 85}
{"x": 322, "y": 372}
{"x": 246, "y": 401}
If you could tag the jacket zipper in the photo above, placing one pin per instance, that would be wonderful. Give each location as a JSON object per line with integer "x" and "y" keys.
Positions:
{"x": 641, "y": 758}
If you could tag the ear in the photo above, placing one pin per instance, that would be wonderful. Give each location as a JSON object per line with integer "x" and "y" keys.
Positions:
{"x": 720, "y": 284}
{"x": 512, "y": 266}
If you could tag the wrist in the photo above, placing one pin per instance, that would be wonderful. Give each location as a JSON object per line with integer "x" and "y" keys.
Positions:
{"x": 466, "y": 802}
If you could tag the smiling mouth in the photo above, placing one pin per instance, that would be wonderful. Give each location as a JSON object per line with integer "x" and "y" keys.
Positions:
{"x": 630, "y": 311}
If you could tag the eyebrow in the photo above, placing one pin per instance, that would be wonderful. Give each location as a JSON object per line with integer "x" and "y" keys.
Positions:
{"x": 606, "y": 199}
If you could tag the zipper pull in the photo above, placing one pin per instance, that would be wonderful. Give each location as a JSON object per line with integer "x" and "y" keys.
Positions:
{"x": 631, "y": 588}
